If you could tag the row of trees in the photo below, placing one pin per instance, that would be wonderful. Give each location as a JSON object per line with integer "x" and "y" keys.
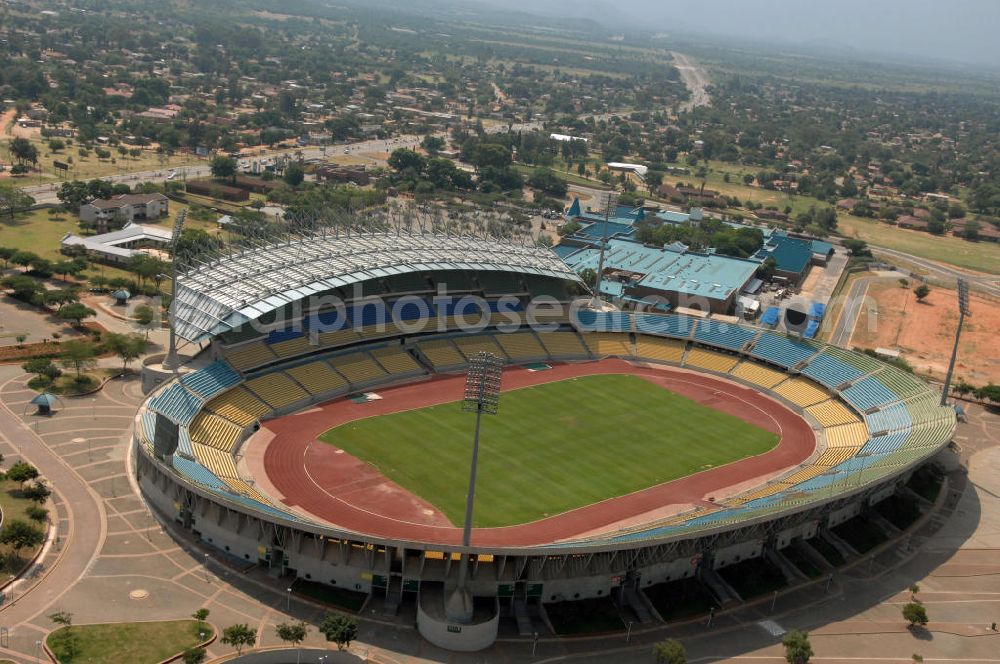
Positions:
{"x": 337, "y": 628}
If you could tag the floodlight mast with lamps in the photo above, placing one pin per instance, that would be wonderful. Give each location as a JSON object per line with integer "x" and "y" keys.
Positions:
{"x": 963, "y": 311}
{"x": 610, "y": 200}
{"x": 482, "y": 395}
{"x": 171, "y": 361}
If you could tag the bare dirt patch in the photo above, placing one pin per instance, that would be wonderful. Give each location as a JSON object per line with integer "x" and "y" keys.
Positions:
{"x": 925, "y": 331}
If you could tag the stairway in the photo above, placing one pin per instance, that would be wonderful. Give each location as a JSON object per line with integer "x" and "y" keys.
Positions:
{"x": 523, "y": 618}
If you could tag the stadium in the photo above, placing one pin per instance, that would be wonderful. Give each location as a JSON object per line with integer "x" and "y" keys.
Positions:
{"x": 318, "y": 432}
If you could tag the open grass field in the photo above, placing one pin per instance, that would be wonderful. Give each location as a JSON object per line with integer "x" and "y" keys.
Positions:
{"x": 978, "y": 256}
{"x": 136, "y": 643}
{"x": 552, "y": 448}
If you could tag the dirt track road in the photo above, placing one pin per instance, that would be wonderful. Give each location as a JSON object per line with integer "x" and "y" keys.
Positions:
{"x": 695, "y": 78}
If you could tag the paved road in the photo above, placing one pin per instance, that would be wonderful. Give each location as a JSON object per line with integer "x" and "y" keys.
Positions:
{"x": 696, "y": 80}
{"x": 849, "y": 314}
{"x": 989, "y": 284}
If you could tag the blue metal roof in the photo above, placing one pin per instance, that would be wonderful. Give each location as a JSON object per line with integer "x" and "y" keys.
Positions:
{"x": 714, "y": 277}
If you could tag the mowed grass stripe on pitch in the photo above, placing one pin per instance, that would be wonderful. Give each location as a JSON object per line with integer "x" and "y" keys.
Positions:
{"x": 552, "y": 448}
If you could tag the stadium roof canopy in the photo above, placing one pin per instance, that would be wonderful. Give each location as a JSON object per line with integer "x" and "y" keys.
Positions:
{"x": 229, "y": 291}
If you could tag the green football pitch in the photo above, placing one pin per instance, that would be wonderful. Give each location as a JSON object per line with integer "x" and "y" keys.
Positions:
{"x": 552, "y": 447}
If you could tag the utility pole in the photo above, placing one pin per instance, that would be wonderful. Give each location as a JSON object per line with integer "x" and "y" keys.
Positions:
{"x": 963, "y": 311}
{"x": 482, "y": 395}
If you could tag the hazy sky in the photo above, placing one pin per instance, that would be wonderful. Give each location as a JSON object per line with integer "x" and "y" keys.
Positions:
{"x": 963, "y": 30}
{"x": 953, "y": 29}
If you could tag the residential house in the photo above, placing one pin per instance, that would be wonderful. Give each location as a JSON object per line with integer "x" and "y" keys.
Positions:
{"x": 123, "y": 209}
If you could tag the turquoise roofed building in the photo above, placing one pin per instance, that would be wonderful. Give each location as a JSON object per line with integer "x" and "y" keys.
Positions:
{"x": 793, "y": 256}
{"x": 634, "y": 272}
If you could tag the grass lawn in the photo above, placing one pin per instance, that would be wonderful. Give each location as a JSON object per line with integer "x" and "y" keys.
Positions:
{"x": 980, "y": 256}
{"x": 136, "y": 643}
{"x": 37, "y": 231}
{"x": 552, "y": 448}
{"x": 14, "y": 508}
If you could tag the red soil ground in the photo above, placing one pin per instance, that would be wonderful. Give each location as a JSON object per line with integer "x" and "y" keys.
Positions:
{"x": 338, "y": 488}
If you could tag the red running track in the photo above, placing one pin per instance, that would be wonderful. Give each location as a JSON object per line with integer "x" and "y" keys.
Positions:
{"x": 349, "y": 494}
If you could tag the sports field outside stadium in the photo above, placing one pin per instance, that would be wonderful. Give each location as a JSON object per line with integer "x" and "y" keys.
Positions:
{"x": 553, "y": 447}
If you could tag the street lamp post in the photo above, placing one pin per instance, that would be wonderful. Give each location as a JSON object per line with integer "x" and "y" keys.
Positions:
{"x": 288, "y": 599}
{"x": 482, "y": 395}
{"x": 207, "y": 580}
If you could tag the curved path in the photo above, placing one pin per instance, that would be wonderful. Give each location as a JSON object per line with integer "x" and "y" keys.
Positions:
{"x": 340, "y": 489}
{"x": 82, "y": 510}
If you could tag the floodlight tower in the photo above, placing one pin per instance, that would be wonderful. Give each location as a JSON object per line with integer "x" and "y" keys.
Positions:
{"x": 171, "y": 361}
{"x": 482, "y": 395}
{"x": 610, "y": 201}
{"x": 963, "y": 311}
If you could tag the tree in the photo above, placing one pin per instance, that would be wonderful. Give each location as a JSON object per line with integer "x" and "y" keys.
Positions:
{"x": 339, "y": 629}
{"x": 914, "y": 589}
{"x": 293, "y": 633}
{"x": 127, "y": 347}
{"x": 922, "y": 291}
{"x": 989, "y": 392}
{"x": 239, "y": 636}
{"x": 22, "y": 471}
{"x": 22, "y": 287}
{"x": 402, "y": 159}
{"x": 915, "y": 614}
{"x": 294, "y": 174}
{"x": 432, "y": 144}
{"x": 971, "y": 230}
{"x": 223, "y": 167}
{"x": 13, "y": 199}
{"x": 63, "y": 618}
{"x": 78, "y": 355}
{"x": 857, "y": 247}
{"x": 6, "y": 253}
{"x": 67, "y": 645}
{"x": 589, "y": 276}
{"x": 75, "y": 312}
{"x": 23, "y": 151}
{"x": 145, "y": 315}
{"x": 74, "y": 194}
{"x": 37, "y": 492}
{"x": 19, "y": 535}
{"x": 669, "y": 652}
{"x": 798, "y": 650}
{"x": 193, "y": 656}
{"x": 43, "y": 367}
{"x": 767, "y": 268}
{"x": 201, "y": 615}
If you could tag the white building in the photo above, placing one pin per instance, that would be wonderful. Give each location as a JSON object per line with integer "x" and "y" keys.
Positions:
{"x": 118, "y": 247}
{"x": 638, "y": 169}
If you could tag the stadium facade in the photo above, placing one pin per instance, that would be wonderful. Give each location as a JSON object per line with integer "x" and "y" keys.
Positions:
{"x": 295, "y": 324}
